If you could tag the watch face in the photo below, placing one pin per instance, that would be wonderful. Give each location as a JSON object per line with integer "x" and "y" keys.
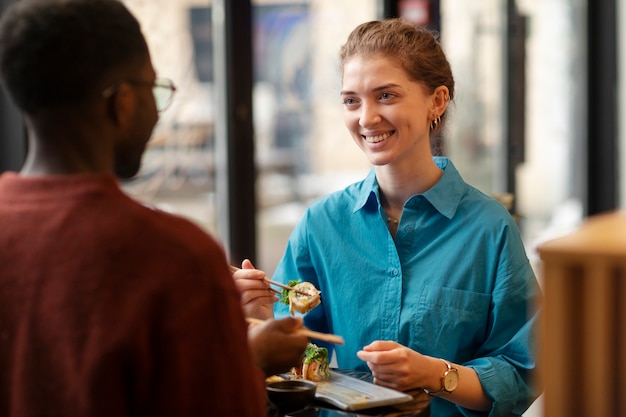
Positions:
{"x": 451, "y": 380}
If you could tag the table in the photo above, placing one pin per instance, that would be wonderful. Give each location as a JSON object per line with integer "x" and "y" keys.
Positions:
{"x": 418, "y": 407}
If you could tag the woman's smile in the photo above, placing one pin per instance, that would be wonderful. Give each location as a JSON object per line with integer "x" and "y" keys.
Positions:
{"x": 371, "y": 138}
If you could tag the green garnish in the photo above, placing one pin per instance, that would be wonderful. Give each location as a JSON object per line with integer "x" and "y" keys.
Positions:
{"x": 314, "y": 353}
{"x": 284, "y": 296}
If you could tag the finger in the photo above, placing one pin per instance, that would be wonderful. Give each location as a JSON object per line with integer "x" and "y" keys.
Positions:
{"x": 283, "y": 325}
{"x": 290, "y": 324}
{"x": 378, "y": 357}
{"x": 258, "y": 296}
{"x": 249, "y": 293}
{"x": 385, "y": 383}
{"x": 247, "y": 264}
{"x": 365, "y": 355}
{"x": 250, "y": 284}
{"x": 381, "y": 345}
{"x": 384, "y": 373}
{"x": 256, "y": 275}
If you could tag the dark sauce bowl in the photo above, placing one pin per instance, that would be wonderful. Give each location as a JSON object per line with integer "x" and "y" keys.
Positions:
{"x": 290, "y": 395}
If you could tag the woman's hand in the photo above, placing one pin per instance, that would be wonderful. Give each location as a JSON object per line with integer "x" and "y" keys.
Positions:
{"x": 398, "y": 367}
{"x": 257, "y": 298}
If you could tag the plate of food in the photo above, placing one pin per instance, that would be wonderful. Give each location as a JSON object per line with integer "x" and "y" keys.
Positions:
{"x": 342, "y": 391}
{"x": 349, "y": 393}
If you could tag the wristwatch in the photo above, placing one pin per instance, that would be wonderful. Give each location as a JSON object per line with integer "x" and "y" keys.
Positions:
{"x": 449, "y": 380}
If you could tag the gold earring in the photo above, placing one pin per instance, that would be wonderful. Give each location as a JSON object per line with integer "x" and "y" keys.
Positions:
{"x": 435, "y": 123}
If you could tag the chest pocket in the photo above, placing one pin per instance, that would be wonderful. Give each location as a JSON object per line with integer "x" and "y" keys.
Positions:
{"x": 451, "y": 322}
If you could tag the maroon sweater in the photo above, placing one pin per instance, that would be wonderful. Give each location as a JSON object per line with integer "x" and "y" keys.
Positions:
{"x": 109, "y": 308}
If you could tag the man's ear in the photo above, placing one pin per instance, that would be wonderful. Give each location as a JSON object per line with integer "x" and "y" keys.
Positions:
{"x": 122, "y": 105}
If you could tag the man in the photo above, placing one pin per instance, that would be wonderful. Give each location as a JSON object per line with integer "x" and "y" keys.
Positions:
{"x": 109, "y": 308}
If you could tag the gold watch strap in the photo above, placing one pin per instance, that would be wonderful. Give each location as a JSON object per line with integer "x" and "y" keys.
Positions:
{"x": 443, "y": 386}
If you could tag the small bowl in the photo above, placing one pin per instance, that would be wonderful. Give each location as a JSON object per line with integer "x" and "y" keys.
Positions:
{"x": 290, "y": 395}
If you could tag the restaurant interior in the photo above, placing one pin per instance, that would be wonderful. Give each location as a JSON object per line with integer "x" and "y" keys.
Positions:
{"x": 255, "y": 134}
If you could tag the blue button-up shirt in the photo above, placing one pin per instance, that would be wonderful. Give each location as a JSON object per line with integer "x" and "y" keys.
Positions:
{"x": 455, "y": 283}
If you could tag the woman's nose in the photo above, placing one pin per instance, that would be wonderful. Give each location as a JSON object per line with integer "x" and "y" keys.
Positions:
{"x": 369, "y": 116}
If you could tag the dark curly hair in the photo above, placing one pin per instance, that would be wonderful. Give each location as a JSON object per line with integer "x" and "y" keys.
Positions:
{"x": 58, "y": 52}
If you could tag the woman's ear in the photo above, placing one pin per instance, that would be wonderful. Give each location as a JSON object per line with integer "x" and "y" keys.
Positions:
{"x": 440, "y": 99}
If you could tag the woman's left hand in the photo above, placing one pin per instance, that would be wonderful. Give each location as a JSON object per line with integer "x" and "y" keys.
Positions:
{"x": 398, "y": 367}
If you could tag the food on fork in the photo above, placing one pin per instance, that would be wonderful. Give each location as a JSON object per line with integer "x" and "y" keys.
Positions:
{"x": 304, "y": 300}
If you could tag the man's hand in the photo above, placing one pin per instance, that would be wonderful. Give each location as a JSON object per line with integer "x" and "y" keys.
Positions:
{"x": 275, "y": 344}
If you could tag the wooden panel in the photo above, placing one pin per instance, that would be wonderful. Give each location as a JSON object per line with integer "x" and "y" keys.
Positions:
{"x": 583, "y": 337}
{"x": 598, "y": 325}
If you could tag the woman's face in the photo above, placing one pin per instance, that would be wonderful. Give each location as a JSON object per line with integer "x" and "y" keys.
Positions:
{"x": 386, "y": 112}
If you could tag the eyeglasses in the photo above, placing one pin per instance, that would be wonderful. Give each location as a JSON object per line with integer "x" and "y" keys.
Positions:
{"x": 163, "y": 90}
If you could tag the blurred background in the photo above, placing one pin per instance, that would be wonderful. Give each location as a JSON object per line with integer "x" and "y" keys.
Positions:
{"x": 518, "y": 127}
{"x": 255, "y": 132}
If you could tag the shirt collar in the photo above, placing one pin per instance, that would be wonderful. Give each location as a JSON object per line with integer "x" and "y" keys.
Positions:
{"x": 444, "y": 196}
{"x": 368, "y": 196}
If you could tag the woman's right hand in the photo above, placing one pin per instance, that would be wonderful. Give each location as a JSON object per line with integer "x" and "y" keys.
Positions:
{"x": 257, "y": 297}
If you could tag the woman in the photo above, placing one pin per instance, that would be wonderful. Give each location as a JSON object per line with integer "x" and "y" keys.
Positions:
{"x": 424, "y": 276}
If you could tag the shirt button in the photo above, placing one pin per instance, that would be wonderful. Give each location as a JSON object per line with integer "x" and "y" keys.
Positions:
{"x": 395, "y": 272}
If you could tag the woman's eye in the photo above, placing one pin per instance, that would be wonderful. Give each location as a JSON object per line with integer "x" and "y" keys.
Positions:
{"x": 349, "y": 101}
{"x": 386, "y": 96}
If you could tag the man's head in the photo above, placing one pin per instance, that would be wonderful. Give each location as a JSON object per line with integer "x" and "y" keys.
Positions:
{"x": 59, "y": 52}
{"x": 80, "y": 71}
